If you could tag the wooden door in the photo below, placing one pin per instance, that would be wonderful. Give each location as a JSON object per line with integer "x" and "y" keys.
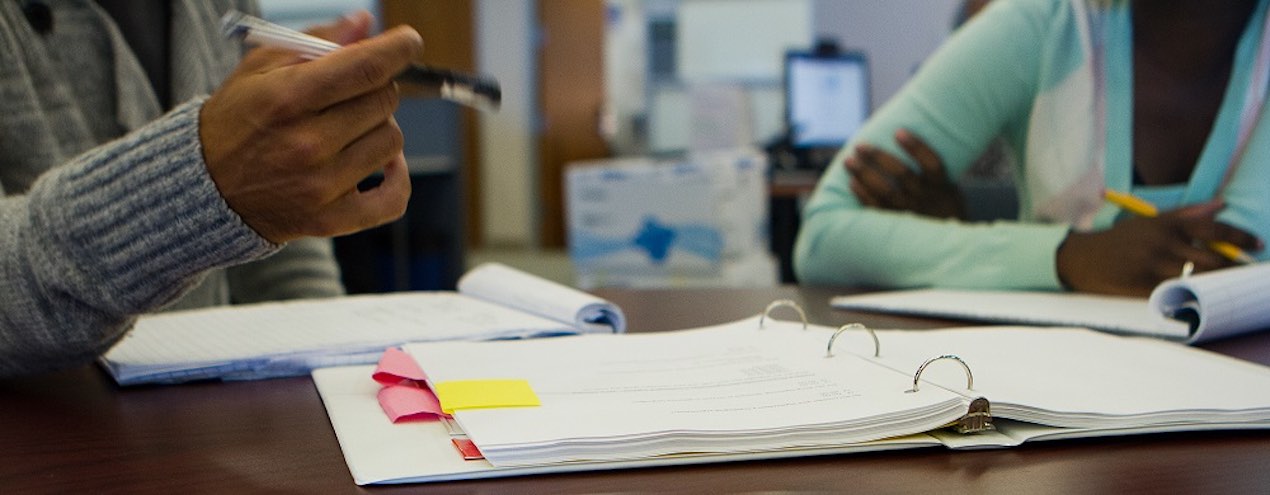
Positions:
{"x": 448, "y": 30}
{"x": 571, "y": 97}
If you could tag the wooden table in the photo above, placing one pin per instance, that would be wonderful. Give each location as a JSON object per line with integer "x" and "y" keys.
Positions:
{"x": 76, "y": 432}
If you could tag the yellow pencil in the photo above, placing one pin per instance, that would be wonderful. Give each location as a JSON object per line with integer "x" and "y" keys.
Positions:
{"x": 1131, "y": 203}
{"x": 1141, "y": 207}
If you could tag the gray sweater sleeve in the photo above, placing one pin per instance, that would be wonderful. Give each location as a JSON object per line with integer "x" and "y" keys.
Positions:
{"x": 118, "y": 231}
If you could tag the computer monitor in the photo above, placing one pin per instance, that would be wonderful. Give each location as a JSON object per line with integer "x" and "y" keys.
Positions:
{"x": 826, "y": 97}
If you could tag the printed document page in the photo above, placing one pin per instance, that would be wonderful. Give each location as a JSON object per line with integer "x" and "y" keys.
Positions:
{"x": 1078, "y": 378}
{"x": 731, "y": 388}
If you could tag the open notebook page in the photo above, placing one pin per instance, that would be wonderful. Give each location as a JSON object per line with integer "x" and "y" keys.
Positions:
{"x": 1107, "y": 313}
{"x": 253, "y": 335}
{"x": 292, "y": 337}
{"x": 497, "y": 282}
{"x": 1221, "y": 303}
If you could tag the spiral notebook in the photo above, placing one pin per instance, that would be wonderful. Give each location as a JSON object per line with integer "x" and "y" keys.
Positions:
{"x": 1198, "y": 308}
{"x": 292, "y": 338}
{"x": 753, "y": 390}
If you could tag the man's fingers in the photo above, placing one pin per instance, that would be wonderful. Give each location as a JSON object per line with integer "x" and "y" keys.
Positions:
{"x": 264, "y": 59}
{"x": 350, "y": 119}
{"x": 354, "y": 69}
{"x": 358, "y": 210}
{"x": 348, "y": 29}
{"x": 367, "y": 154}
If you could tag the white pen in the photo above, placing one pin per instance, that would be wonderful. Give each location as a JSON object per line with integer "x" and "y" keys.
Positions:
{"x": 473, "y": 91}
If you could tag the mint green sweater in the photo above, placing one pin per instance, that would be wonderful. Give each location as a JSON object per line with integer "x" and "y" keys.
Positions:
{"x": 1023, "y": 71}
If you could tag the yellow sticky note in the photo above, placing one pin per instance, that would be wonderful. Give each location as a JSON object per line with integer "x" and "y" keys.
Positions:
{"x": 482, "y": 394}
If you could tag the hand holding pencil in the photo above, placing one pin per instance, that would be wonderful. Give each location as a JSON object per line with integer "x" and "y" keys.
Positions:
{"x": 1140, "y": 207}
{"x": 1139, "y": 252}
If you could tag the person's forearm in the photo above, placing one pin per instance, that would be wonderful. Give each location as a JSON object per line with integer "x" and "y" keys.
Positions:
{"x": 899, "y": 250}
{"x": 118, "y": 231}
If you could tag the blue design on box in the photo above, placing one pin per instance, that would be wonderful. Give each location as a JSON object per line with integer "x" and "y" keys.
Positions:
{"x": 656, "y": 239}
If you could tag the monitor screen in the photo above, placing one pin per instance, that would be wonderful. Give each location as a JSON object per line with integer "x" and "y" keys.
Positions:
{"x": 826, "y": 97}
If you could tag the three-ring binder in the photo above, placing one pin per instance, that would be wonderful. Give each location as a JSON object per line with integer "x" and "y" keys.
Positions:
{"x": 978, "y": 417}
{"x": 782, "y": 303}
{"x": 877, "y": 346}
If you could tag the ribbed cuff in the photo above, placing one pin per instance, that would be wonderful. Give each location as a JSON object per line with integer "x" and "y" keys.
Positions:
{"x": 141, "y": 217}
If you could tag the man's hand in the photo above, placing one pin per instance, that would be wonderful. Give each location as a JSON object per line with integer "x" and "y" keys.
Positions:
{"x": 881, "y": 180}
{"x": 287, "y": 140}
{"x": 1136, "y": 254}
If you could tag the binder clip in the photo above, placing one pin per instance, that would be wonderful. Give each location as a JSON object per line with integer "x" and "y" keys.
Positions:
{"x": 977, "y": 419}
{"x": 779, "y": 303}
{"x": 877, "y": 347}
{"x": 979, "y": 416}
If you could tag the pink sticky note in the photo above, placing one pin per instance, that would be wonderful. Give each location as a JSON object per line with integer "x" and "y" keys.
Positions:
{"x": 409, "y": 401}
{"x": 395, "y": 366}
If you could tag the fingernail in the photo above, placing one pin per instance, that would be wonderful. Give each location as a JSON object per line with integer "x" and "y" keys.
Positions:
{"x": 414, "y": 34}
{"x": 404, "y": 30}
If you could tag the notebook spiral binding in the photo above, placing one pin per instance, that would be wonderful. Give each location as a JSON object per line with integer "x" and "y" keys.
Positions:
{"x": 978, "y": 417}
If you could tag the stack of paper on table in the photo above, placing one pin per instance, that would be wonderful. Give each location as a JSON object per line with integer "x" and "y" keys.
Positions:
{"x": 292, "y": 338}
{"x": 1198, "y": 308}
{"x": 736, "y": 392}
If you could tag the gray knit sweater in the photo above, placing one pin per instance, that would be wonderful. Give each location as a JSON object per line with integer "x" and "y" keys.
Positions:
{"x": 106, "y": 207}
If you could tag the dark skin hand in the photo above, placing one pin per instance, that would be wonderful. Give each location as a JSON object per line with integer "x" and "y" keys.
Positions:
{"x": 1180, "y": 80}
{"x": 287, "y": 140}
{"x": 880, "y": 180}
{"x": 1136, "y": 254}
{"x": 1182, "y": 52}
{"x": 1130, "y": 258}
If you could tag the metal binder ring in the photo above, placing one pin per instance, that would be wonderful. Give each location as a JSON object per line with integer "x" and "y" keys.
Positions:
{"x": 783, "y": 302}
{"x": 970, "y": 379}
{"x": 877, "y": 347}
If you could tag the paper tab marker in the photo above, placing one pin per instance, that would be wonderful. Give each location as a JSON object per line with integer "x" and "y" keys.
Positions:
{"x": 485, "y": 394}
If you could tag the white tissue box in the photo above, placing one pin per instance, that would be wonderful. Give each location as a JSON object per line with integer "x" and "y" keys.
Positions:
{"x": 666, "y": 220}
